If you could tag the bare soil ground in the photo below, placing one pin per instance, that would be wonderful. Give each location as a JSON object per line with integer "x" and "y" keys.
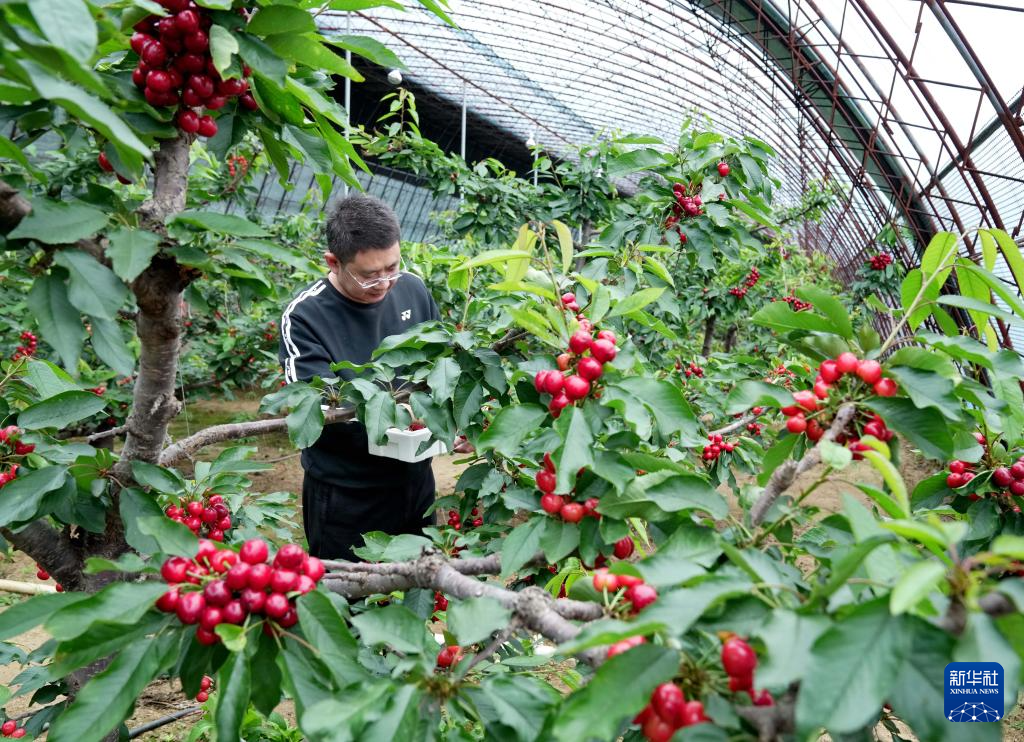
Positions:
{"x": 165, "y": 697}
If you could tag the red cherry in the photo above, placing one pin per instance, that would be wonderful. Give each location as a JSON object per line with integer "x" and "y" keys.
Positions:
{"x": 624, "y": 548}
{"x": 607, "y": 335}
{"x": 104, "y": 163}
{"x": 545, "y": 481}
{"x": 211, "y": 617}
{"x": 846, "y": 363}
{"x": 762, "y": 698}
{"x": 202, "y": 84}
{"x": 207, "y": 637}
{"x": 657, "y": 729}
{"x": 572, "y": 512}
{"x": 190, "y": 62}
{"x": 576, "y": 387}
{"x": 796, "y": 424}
{"x": 19, "y": 733}
{"x": 551, "y": 503}
{"x": 821, "y": 389}
{"x": 217, "y": 593}
{"x": 553, "y": 382}
{"x": 8, "y": 727}
{"x": 283, "y": 580}
{"x": 154, "y": 54}
{"x": 557, "y": 404}
{"x": 885, "y": 388}
{"x": 224, "y": 523}
{"x": 313, "y": 568}
{"x": 1017, "y": 487}
{"x": 231, "y": 87}
{"x": 580, "y": 342}
{"x": 1017, "y": 470}
{"x": 829, "y": 372}
{"x": 168, "y": 30}
{"x": 237, "y": 577}
{"x": 590, "y": 368}
{"x": 641, "y": 596}
{"x": 259, "y": 576}
{"x": 253, "y": 600}
{"x": 304, "y": 585}
{"x": 289, "y": 619}
{"x": 668, "y": 701}
{"x": 174, "y": 570}
{"x": 549, "y": 464}
{"x": 197, "y": 41}
{"x": 290, "y": 556}
{"x": 187, "y": 21}
{"x": 276, "y": 606}
{"x": 168, "y": 602}
{"x": 202, "y": 696}
{"x": 806, "y": 399}
{"x": 248, "y": 102}
{"x": 1002, "y": 476}
{"x": 234, "y": 612}
{"x": 738, "y": 658}
{"x": 604, "y": 580}
{"x": 254, "y": 551}
{"x": 869, "y": 371}
{"x": 139, "y": 40}
{"x": 603, "y": 350}
{"x": 207, "y": 127}
{"x": 723, "y": 169}
{"x": 216, "y": 102}
{"x": 190, "y": 607}
{"x": 739, "y": 683}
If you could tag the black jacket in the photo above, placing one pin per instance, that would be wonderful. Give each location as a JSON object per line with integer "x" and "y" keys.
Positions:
{"x": 321, "y": 326}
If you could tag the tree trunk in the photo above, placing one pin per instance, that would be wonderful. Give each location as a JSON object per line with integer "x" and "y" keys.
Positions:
{"x": 709, "y": 334}
{"x": 730, "y": 338}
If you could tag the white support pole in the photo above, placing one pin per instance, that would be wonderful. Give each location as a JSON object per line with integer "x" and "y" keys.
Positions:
{"x": 348, "y": 86}
{"x": 462, "y": 149}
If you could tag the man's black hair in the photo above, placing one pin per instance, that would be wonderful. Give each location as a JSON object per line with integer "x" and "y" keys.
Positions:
{"x": 359, "y": 222}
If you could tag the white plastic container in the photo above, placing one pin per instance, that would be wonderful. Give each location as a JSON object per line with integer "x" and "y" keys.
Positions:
{"x": 403, "y": 445}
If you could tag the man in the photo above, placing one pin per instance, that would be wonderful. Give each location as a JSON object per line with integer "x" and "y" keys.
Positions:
{"x": 343, "y": 317}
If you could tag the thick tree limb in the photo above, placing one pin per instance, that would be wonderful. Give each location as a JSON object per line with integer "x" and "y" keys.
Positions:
{"x": 13, "y": 208}
{"x": 533, "y": 607}
{"x": 51, "y": 549}
{"x": 788, "y": 471}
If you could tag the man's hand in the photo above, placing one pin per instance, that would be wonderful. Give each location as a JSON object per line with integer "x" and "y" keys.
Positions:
{"x": 462, "y": 445}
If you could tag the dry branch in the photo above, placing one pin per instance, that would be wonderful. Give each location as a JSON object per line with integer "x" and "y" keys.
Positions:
{"x": 787, "y": 472}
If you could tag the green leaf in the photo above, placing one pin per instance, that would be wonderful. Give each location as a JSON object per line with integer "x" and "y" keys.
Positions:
{"x": 474, "y": 619}
{"x": 59, "y": 223}
{"x": 979, "y": 307}
{"x": 513, "y": 702}
{"x": 380, "y": 413}
{"x": 281, "y": 19}
{"x": 93, "y": 288}
{"x": 939, "y": 252}
{"x": 266, "y": 694}
{"x": 892, "y": 478}
{"x": 982, "y": 641}
{"x": 925, "y": 428}
{"x": 307, "y": 49}
{"x": 915, "y": 585}
{"x": 1007, "y": 545}
{"x": 779, "y": 316}
{"x": 521, "y": 545}
{"x": 443, "y": 378}
{"x": 564, "y": 244}
{"x": 68, "y": 25}
{"x": 150, "y": 531}
{"x": 61, "y": 410}
{"x": 657, "y": 495}
{"x": 870, "y": 645}
{"x": 789, "y": 638}
{"x": 829, "y": 306}
{"x": 510, "y": 427}
{"x": 214, "y": 221}
{"x": 26, "y": 614}
{"x": 489, "y": 257}
{"x": 110, "y": 346}
{"x": 121, "y": 602}
{"x": 631, "y": 162}
{"x": 597, "y": 710}
{"x": 559, "y": 539}
{"x": 223, "y": 45}
{"x": 159, "y": 478}
{"x": 914, "y": 301}
{"x": 577, "y": 448}
{"x": 23, "y": 496}
{"x": 635, "y": 301}
{"x": 671, "y": 411}
{"x": 107, "y": 699}
{"x": 234, "y": 683}
{"x": 395, "y": 626}
{"x": 305, "y": 419}
{"x": 928, "y": 389}
{"x": 748, "y": 394}
{"x": 1011, "y": 253}
{"x": 325, "y": 629}
{"x": 368, "y": 47}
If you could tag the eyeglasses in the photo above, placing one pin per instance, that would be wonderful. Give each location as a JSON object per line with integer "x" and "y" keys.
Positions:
{"x": 376, "y": 281}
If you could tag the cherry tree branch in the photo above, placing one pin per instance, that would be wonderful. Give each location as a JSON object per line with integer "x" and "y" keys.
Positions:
{"x": 13, "y": 207}
{"x": 49, "y": 548}
{"x": 532, "y": 607}
{"x": 734, "y": 425}
{"x": 787, "y": 472}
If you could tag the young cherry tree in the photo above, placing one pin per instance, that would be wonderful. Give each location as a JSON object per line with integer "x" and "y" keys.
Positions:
{"x": 589, "y": 520}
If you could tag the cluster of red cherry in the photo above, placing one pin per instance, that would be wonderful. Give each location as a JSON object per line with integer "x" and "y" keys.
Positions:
{"x": 205, "y": 688}
{"x": 11, "y": 445}
{"x": 10, "y": 728}
{"x": 42, "y": 574}
{"x": 561, "y": 505}
{"x": 751, "y": 280}
{"x": 449, "y": 655}
{"x": 717, "y": 447}
{"x": 589, "y": 355}
{"x": 28, "y": 348}
{"x": 739, "y": 662}
{"x": 440, "y": 602}
{"x": 691, "y": 370}
{"x": 176, "y": 67}
{"x": 667, "y": 711}
{"x": 455, "y": 520}
{"x": 637, "y": 593}
{"x": 795, "y": 304}
{"x": 880, "y": 261}
{"x": 222, "y": 586}
{"x": 207, "y": 517}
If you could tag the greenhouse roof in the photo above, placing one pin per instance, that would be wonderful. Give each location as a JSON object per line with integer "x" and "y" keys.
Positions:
{"x": 915, "y": 103}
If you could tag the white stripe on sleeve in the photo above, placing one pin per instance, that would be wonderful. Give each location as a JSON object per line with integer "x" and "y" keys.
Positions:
{"x": 286, "y": 329}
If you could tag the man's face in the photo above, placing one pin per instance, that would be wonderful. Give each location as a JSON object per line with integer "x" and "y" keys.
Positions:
{"x": 365, "y": 267}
